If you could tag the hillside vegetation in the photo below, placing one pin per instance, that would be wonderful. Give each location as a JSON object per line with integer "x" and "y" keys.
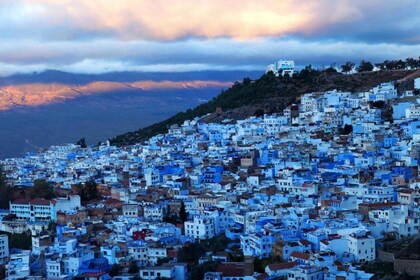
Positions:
{"x": 270, "y": 94}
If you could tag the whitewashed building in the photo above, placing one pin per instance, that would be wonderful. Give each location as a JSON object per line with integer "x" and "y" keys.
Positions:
{"x": 281, "y": 67}
{"x": 201, "y": 227}
{"x": 362, "y": 246}
{"x": 35, "y": 210}
{"x": 4, "y": 248}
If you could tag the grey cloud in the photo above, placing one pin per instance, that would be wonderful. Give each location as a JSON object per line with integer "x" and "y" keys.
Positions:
{"x": 109, "y": 55}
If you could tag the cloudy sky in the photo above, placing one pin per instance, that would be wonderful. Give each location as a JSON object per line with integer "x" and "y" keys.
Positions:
{"x": 181, "y": 35}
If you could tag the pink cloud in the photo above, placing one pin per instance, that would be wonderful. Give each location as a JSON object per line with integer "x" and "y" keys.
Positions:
{"x": 174, "y": 19}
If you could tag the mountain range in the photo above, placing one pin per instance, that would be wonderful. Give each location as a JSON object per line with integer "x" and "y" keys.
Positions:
{"x": 53, "y": 107}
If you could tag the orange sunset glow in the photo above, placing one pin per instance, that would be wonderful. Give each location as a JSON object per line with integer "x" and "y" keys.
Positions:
{"x": 42, "y": 94}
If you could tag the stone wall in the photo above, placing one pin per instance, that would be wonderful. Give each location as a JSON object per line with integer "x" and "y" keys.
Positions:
{"x": 412, "y": 267}
{"x": 385, "y": 256}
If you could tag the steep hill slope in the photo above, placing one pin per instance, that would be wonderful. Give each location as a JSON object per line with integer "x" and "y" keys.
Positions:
{"x": 272, "y": 94}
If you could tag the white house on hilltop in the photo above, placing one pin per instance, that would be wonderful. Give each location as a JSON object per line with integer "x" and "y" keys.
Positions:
{"x": 281, "y": 67}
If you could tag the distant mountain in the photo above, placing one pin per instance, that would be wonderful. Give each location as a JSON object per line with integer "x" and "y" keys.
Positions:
{"x": 49, "y": 108}
{"x": 55, "y": 76}
{"x": 271, "y": 94}
{"x": 56, "y": 86}
{"x": 35, "y": 94}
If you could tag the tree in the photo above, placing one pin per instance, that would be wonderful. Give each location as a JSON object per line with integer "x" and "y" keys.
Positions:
{"x": 380, "y": 104}
{"x": 82, "y": 142}
{"x": 6, "y": 192}
{"x": 246, "y": 81}
{"x": 347, "y": 129}
{"x": 169, "y": 217}
{"x": 411, "y": 63}
{"x": 400, "y": 65}
{"x": 88, "y": 191}
{"x": 2, "y": 177}
{"x": 390, "y": 64}
{"x": 347, "y": 67}
{"x": 91, "y": 190}
{"x": 387, "y": 113}
{"x": 52, "y": 228}
{"x": 191, "y": 253}
{"x": 133, "y": 268}
{"x": 260, "y": 264}
{"x": 365, "y": 66}
{"x": 330, "y": 70}
{"x": 20, "y": 240}
{"x": 115, "y": 269}
{"x": 80, "y": 191}
{"x": 42, "y": 189}
{"x": 380, "y": 66}
{"x": 306, "y": 75}
{"x": 198, "y": 271}
{"x": 183, "y": 214}
{"x": 259, "y": 113}
{"x": 217, "y": 243}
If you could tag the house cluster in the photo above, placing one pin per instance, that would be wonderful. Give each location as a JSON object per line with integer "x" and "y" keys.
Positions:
{"x": 314, "y": 190}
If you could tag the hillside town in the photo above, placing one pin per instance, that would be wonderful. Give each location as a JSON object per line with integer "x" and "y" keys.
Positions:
{"x": 319, "y": 191}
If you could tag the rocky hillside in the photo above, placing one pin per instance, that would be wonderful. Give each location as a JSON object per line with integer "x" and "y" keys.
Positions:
{"x": 272, "y": 94}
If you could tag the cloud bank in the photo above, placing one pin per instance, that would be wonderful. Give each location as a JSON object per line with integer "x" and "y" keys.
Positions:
{"x": 182, "y": 35}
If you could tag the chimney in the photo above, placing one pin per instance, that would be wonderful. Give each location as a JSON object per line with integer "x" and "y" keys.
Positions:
{"x": 249, "y": 265}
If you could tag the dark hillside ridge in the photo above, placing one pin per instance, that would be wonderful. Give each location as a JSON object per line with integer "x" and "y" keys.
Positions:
{"x": 272, "y": 94}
